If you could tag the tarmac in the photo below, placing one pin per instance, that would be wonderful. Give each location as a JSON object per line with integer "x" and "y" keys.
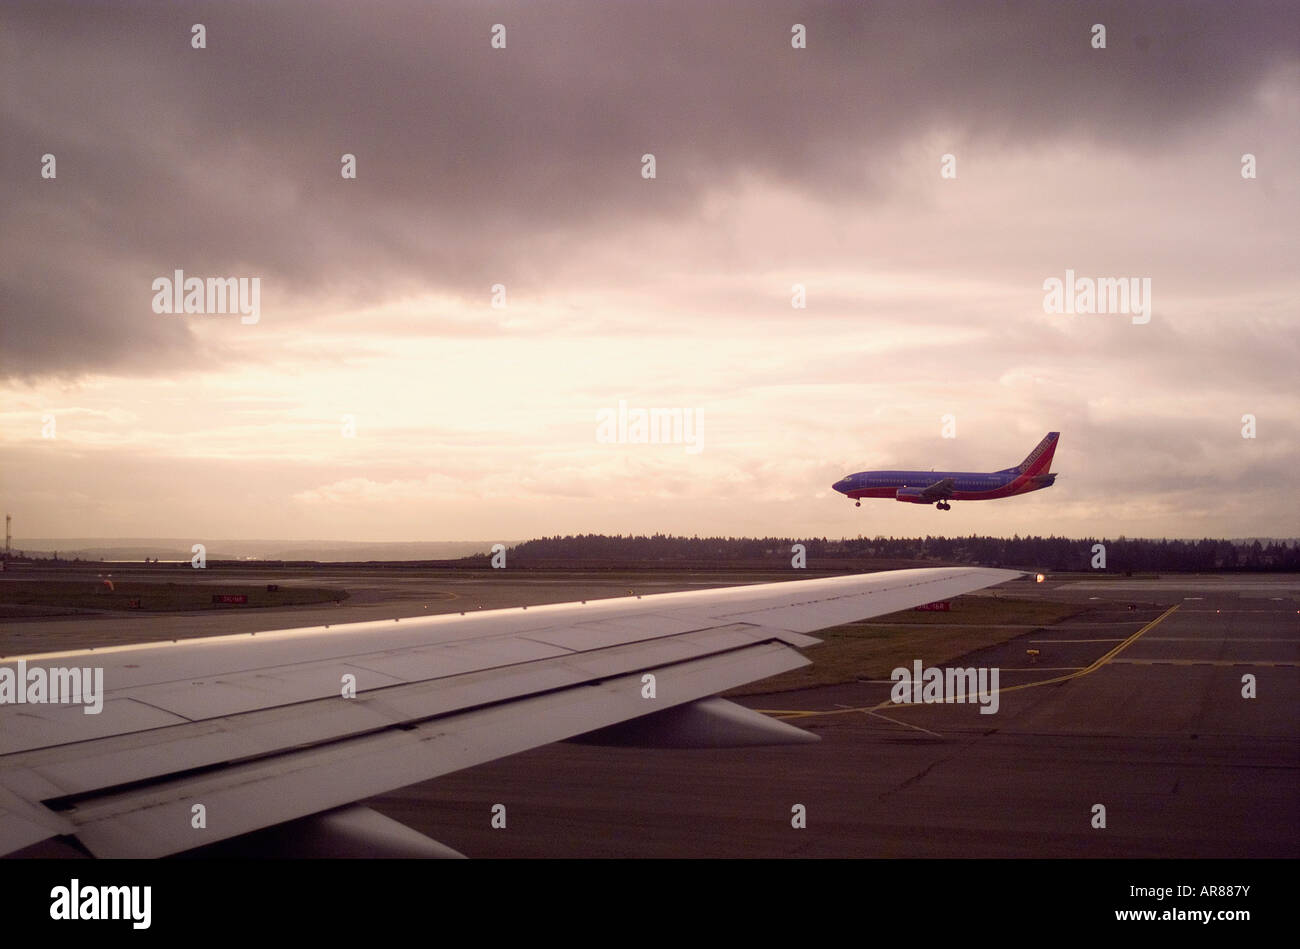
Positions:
{"x": 1136, "y": 706}
{"x": 1121, "y": 732}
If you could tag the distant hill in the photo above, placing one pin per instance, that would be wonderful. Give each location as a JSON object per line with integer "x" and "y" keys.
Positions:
{"x": 1051, "y": 553}
{"x": 599, "y": 551}
{"x": 329, "y": 551}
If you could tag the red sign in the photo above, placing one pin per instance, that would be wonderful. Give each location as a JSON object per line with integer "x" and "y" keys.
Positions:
{"x": 938, "y": 606}
{"x": 229, "y": 598}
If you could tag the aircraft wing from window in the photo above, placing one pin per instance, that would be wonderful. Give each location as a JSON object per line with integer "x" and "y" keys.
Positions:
{"x": 255, "y": 730}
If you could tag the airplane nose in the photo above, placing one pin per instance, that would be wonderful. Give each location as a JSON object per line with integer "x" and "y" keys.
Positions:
{"x": 841, "y": 486}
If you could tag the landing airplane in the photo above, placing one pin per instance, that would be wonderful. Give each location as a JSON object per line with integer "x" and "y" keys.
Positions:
{"x": 268, "y": 740}
{"x": 940, "y": 487}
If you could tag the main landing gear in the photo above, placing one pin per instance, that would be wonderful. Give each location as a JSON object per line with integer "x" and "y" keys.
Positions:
{"x": 943, "y": 505}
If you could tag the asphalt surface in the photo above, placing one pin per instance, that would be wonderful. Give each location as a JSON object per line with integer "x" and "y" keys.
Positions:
{"x": 1135, "y": 705}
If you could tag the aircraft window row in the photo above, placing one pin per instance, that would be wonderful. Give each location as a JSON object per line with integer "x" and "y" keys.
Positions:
{"x": 978, "y": 482}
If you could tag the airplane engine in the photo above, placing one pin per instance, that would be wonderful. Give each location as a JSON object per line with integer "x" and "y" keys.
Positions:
{"x": 347, "y": 832}
{"x": 708, "y": 723}
{"x": 911, "y": 495}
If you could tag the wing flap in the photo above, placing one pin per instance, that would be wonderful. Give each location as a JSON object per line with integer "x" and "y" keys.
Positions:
{"x": 23, "y": 824}
{"x": 82, "y": 768}
{"x": 155, "y": 820}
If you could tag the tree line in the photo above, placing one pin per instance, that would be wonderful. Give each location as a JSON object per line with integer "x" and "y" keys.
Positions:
{"x": 1123, "y": 554}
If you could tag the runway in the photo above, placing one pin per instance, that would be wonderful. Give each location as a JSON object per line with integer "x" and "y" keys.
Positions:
{"x": 1157, "y": 732}
{"x": 1135, "y": 705}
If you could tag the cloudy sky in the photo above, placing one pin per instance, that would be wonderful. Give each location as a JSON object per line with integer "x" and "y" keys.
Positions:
{"x": 380, "y": 395}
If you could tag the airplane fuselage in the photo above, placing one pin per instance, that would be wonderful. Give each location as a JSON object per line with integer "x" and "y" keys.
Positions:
{"x": 966, "y": 485}
{"x": 940, "y": 488}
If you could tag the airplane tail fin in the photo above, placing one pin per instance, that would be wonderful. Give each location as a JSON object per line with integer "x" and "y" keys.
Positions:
{"x": 1039, "y": 460}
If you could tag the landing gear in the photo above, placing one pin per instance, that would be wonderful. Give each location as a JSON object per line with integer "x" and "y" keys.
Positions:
{"x": 858, "y": 504}
{"x": 943, "y": 505}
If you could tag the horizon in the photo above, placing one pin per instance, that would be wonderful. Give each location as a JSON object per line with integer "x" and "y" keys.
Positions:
{"x": 144, "y": 541}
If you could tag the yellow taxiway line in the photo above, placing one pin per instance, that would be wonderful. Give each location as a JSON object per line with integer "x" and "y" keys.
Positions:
{"x": 870, "y": 709}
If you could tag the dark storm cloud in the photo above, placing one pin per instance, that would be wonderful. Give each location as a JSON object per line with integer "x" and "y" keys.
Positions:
{"x": 478, "y": 164}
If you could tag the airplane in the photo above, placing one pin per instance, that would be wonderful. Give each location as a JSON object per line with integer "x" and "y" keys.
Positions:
{"x": 271, "y": 738}
{"x": 941, "y": 487}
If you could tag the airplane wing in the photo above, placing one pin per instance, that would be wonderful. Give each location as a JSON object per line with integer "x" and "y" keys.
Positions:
{"x": 204, "y": 740}
{"x": 938, "y": 490}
